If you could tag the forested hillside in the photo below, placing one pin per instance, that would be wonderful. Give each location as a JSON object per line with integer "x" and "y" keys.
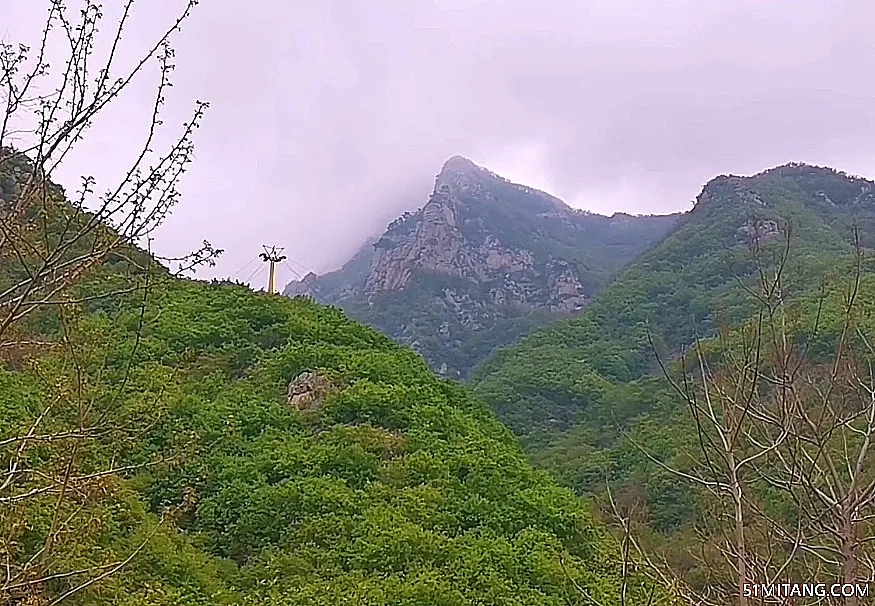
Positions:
{"x": 683, "y": 409}
{"x": 165, "y": 441}
{"x": 688, "y": 285}
{"x": 718, "y": 385}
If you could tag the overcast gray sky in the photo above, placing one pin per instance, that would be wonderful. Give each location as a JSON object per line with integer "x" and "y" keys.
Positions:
{"x": 330, "y": 117}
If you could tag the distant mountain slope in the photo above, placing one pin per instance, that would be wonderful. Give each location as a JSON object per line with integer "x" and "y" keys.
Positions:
{"x": 331, "y": 287}
{"x": 550, "y": 380}
{"x": 481, "y": 263}
{"x": 592, "y": 406}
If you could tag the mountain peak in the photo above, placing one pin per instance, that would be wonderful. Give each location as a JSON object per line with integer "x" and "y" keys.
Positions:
{"x": 459, "y": 164}
{"x": 809, "y": 184}
{"x": 463, "y": 177}
{"x": 480, "y": 262}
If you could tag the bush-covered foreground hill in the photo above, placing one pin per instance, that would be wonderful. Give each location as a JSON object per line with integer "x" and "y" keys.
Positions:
{"x": 398, "y": 489}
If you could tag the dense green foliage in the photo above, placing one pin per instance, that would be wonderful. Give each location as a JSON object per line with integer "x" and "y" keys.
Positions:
{"x": 401, "y": 489}
{"x": 688, "y": 285}
{"x": 398, "y": 487}
{"x": 587, "y": 394}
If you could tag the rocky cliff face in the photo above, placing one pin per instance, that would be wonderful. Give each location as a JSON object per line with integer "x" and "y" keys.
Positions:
{"x": 480, "y": 263}
{"x": 434, "y": 241}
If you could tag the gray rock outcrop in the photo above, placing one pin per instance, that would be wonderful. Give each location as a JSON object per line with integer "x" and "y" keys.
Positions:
{"x": 444, "y": 238}
{"x": 307, "y": 393}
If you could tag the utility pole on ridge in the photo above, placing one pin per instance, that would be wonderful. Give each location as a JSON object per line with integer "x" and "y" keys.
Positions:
{"x": 272, "y": 255}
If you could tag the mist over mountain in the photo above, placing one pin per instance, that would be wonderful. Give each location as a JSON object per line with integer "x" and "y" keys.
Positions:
{"x": 481, "y": 263}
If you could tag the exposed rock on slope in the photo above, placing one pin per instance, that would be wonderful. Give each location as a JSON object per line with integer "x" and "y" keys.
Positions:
{"x": 434, "y": 241}
{"x": 482, "y": 262}
{"x": 309, "y": 390}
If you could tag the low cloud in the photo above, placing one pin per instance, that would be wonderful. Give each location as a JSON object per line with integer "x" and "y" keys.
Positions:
{"x": 330, "y": 117}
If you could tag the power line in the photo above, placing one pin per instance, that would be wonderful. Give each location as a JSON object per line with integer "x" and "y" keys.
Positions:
{"x": 242, "y": 269}
{"x": 273, "y": 255}
{"x": 292, "y": 269}
{"x": 252, "y": 275}
{"x": 301, "y": 267}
